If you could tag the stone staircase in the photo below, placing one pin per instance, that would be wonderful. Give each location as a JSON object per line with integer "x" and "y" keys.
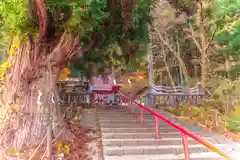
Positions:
{"x": 125, "y": 138}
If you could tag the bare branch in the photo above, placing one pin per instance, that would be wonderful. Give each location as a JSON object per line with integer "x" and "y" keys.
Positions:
{"x": 194, "y": 39}
{"x": 170, "y": 48}
{"x": 90, "y": 45}
{"x": 42, "y": 17}
{"x": 211, "y": 39}
{"x": 81, "y": 49}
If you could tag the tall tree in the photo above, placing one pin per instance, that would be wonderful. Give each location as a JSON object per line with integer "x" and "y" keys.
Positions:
{"x": 227, "y": 14}
{"x": 202, "y": 30}
{"x": 228, "y": 36}
{"x": 42, "y": 37}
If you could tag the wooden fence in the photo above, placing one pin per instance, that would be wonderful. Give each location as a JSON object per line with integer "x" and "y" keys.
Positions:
{"x": 173, "y": 96}
{"x": 74, "y": 93}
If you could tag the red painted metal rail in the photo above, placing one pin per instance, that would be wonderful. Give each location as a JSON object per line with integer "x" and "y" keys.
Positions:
{"x": 185, "y": 133}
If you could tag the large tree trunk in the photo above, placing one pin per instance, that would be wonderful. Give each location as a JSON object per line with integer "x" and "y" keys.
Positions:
{"x": 29, "y": 87}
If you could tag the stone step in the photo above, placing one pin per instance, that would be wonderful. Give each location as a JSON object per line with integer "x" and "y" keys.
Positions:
{"x": 127, "y": 125}
{"x": 124, "y": 112}
{"x": 141, "y": 135}
{"x": 104, "y": 107}
{"x": 128, "y": 115}
{"x": 113, "y": 109}
{"x": 124, "y": 109}
{"x": 124, "y": 137}
{"x": 137, "y": 130}
{"x": 132, "y": 122}
{"x": 125, "y": 116}
{"x": 116, "y": 109}
{"x": 136, "y": 112}
{"x": 193, "y": 156}
{"x": 154, "y": 150}
{"x": 148, "y": 116}
{"x": 133, "y": 118}
{"x": 146, "y": 142}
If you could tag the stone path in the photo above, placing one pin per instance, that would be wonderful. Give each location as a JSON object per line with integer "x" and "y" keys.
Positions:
{"x": 125, "y": 138}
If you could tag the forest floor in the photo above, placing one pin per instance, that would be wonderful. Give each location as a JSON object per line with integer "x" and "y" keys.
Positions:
{"x": 235, "y": 116}
{"x": 233, "y": 136}
{"x": 89, "y": 145}
{"x": 86, "y": 144}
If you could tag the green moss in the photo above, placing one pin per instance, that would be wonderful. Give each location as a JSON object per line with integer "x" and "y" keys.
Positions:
{"x": 234, "y": 119}
{"x": 234, "y": 124}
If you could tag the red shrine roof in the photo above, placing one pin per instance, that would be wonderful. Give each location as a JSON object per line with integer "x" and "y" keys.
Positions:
{"x": 106, "y": 84}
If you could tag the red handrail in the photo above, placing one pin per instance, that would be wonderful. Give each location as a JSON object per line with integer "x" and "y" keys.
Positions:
{"x": 184, "y": 132}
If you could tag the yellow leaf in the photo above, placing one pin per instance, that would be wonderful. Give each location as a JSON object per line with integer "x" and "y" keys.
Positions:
{"x": 64, "y": 74}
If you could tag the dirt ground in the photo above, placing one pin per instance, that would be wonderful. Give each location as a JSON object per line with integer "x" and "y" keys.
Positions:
{"x": 86, "y": 143}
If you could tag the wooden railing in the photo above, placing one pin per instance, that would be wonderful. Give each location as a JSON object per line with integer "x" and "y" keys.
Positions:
{"x": 76, "y": 99}
{"x": 72, "y": 93}
{"x": 173, "y": 96}
{"x": 185, "y": 133}
{"x": 174, "y": 99}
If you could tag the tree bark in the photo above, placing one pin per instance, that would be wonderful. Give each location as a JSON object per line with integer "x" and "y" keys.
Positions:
{"x": 204, "y": 69}
{"x": 30, "y": 84}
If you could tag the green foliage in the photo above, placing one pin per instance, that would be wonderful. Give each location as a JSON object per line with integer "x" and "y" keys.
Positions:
{"x": 226, "y": 87}
{"x": 101, "y": 60}
{"x": 223, "y": 94}
{"x": 14, "y": 18}
{"x": 203, "y": 115}
{"x": 85, "y": 14}
{"x": 234, "y": 124}
{"x": 74, "y": 71}
{"x": 234, "y": 119}
{"x": 231, "y": 39}
{"x": 233, "y": 73}
{"x": 120, "y": 45}
{"x": 226, "y": 8}
{"x": 19, "y": 20}
{"x": 227, "y": 15}
{"x": 214, "y": 104}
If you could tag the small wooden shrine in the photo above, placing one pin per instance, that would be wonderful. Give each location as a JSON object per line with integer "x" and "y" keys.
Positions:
{"x": 105, "y": 88}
